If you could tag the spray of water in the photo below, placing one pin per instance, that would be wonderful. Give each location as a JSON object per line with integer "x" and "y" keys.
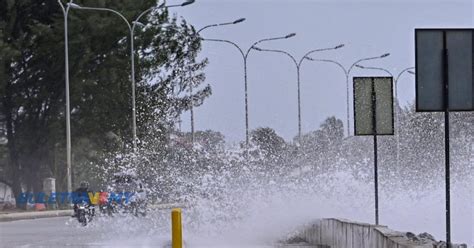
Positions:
{"x": 263, "y": 213}
{"x": 259, "y": 200}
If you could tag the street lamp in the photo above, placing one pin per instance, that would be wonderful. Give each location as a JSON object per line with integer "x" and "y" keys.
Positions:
{"x": 191, "y": 86}
{"x": 65, "y": 10}
{"x": 347, "y": 74}
{"x": 245, "y": 55}
{"x": 375, "y": 68}
{"x": 397, "y": 114}
{"x": 221, "y": 24}
{"x": 298, "y": 67}
{"x": 131, "y": 27}
{"x": 407, "y": 70}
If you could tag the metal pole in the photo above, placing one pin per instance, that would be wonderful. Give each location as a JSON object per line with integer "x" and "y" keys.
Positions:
{"x": 134, "y": 115}
{"x": 397, "y": 114}
{"x": 374, "y": 130}
{"x": 68, "y": 111}
{"x": 299, "y": 103}
{"x": 447, "y": 169}
{"x": 246, "y": 108}
{"x": 191, "y": 87}
{"x": 347, "y": 104}
{"x": 68, "y": 106}
{"x": 298, "y": 70}
{"x": 246, "y": 88}
{"x": 245, "y": 57}
{"x": 192, "y": 113}
{"x": 376, "y": 182}
{"x": 446, "y": 141}
{"x": 397, "y": 123}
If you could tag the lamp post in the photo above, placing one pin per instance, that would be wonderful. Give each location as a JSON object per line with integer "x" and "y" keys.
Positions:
{"x": 131, "y": 27}
{"x": 397, "y": 114}
{"x": 65, "y": 10}
{"x": 408, "y": 70}
{"x": 221, "y": 24}
{"x": 347, "y": 73}
{"x": 245, "y": 55}
{"x": 191, "y": 86}
{"x": 298, "y": 69}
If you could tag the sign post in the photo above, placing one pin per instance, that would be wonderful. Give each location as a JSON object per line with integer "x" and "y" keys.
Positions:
{"x": 445, "y": 83}
{"x": 373, "y": 115}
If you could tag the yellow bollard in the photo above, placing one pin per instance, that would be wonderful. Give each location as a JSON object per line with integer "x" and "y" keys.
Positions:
{"x": 176, "y": 229}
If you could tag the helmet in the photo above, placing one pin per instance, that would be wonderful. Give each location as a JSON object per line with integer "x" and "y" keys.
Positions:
{"x": 84, "y": 184}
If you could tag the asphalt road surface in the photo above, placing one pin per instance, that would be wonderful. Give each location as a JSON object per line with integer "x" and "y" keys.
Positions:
{"x": 102, "y": 232}
{"x": 66, "y": 232}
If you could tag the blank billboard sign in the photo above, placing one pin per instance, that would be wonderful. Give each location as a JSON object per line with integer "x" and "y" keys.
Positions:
{"x": 373, "y": 93}
{"x": 440, "y": 51}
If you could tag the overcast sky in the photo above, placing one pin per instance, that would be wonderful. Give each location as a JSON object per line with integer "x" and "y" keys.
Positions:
{"x": 367, "y": 28}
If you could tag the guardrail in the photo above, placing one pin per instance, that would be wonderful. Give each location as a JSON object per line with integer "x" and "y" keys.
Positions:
{"x": 340, "y": 233}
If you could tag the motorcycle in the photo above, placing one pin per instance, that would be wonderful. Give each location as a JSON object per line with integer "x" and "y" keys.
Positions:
{"x": 85, "y": 213}
{"x": 133, "y": 206}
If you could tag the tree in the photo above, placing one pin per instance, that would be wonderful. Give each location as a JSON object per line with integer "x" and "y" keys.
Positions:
{"x": 211, "y": 141}
{"x": 323, "y": 146}
{"x": 267, "y": 149}
{"x": 32, "y": 82}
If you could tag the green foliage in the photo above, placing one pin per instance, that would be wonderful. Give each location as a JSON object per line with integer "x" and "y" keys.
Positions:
{"x": 267, "y": 145}
{"x": 33, "y": 90}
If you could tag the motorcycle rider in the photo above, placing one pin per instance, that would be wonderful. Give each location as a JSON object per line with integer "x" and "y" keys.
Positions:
{"x": 80, "y": 195}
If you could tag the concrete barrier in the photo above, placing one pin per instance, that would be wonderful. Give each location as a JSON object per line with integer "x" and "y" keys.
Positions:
{"x": 340, "y": 233}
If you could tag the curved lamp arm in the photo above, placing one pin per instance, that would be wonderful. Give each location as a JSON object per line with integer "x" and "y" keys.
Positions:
{"x": 65, "y": 10}
{"x": 221, "y": 24}
{"x": 375, "y": 68}
{"x": 146, "y": 11}
{"x": 229, "y": 42}
{"x": 74, "y": 6}
{"x": 330, "y": 61}
{"x": 137, "y": 20}
{"x": 277, "y": 51}
{"x": 268, "y": 39}
{"x": 365, "y": 59}
{"x": 319, "y": 50}
{"x": 403, "y": 71}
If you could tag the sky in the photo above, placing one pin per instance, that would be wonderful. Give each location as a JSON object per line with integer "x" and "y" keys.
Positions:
{"x": 367, "y": 28}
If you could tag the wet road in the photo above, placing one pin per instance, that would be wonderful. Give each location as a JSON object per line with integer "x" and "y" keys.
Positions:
{"x": 66, "y": 232}
{"x": 102, "y": 232}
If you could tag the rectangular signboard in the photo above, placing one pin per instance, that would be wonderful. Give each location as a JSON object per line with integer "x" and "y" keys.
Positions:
{"x": 373, "y": 93}
{"x": 440, "y": 51}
